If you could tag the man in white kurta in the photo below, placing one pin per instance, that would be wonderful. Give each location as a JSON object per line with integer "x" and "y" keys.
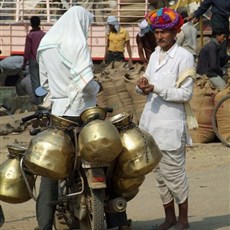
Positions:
{"x": 164, "y": 115}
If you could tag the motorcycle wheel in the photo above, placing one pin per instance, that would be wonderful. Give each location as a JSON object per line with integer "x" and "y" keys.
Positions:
{"x": 94, "y": 202}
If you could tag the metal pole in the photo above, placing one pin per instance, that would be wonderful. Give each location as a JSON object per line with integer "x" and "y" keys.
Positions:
{"x": 201, "y": 31}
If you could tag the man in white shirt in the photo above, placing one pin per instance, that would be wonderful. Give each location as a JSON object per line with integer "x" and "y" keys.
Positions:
{"x": 164, "y": 115}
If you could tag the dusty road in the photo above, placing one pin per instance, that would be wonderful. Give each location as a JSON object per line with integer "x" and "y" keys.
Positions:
{"x": 208, "y": 167}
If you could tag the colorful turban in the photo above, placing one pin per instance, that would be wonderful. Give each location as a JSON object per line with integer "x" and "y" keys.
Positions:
{"x": 164, "y": 18}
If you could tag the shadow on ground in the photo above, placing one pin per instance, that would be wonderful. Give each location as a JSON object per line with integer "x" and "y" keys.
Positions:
{"x": 207, "y": 223}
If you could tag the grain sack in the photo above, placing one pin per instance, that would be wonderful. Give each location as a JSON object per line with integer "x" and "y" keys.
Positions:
{"x": 117, "y": 96}
{"x": 138, "y": 99}
{"x": 202, "y": 104}
{"x": 223, "y": 113}
{"x": 101, "y": 100}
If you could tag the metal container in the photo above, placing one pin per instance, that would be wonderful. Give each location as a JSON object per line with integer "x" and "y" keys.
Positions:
{"x": 99, "y": 142}
{"x": 13, "y": 188}
{"x": 140, "y": 154}
{"x": 125, "y": 185}
{"x": 51, "y": 152}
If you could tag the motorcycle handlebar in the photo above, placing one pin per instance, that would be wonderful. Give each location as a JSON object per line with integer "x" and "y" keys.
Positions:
{"x": 45, "y": 113}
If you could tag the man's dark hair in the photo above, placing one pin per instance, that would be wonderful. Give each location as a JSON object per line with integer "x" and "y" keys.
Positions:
{"x": 218, "y": 31}
{"x": 35, "y": 21}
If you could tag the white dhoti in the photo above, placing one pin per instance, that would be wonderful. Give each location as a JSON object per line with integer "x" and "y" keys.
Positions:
{"x": 171, "y": 177}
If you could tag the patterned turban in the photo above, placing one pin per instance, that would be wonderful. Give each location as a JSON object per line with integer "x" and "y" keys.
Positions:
{"x": 164, "y": 18}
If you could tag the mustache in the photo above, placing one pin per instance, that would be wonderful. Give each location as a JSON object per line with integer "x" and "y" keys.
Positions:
{"x": 161, "y": 40}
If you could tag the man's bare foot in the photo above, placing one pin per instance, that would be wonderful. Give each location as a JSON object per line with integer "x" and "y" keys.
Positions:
{"x": 180, "y": 226}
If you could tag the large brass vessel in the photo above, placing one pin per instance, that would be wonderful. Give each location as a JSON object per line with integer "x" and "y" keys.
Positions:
{"x": 99, "y": 140}
{"x": 13, "y": 188}
{"x": 140, "y": 154}
{"x": 51, "y": 152}
{"x": 125, "y": 185}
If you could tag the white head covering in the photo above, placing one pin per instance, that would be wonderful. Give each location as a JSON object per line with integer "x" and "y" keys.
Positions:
{"x": 143, "y": 25}
{"x": 112, "y": 20}
{"x": 69, "y": 35}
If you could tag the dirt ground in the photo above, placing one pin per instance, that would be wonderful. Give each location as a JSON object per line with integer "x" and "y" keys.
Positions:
{"x": 208, "y": 167}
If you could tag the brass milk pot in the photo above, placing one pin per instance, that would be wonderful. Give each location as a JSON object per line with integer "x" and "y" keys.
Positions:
{"x": 51, "y": 152}
{"x": 140, "y": 154}
{"x": 125, "y": 185}
{"x": 13, "y": 188}
{"x": 99, "y": 140}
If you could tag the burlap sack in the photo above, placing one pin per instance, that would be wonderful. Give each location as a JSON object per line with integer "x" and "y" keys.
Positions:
{"x": 116, "y": 96}
{"x": 202, "y": 103}
{"x": 223, "y": 113}
{"x": 138, "y": 99}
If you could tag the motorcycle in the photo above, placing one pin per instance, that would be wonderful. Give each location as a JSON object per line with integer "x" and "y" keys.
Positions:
{"x": 89, "y": 159}
{"x": 99, "y": 165}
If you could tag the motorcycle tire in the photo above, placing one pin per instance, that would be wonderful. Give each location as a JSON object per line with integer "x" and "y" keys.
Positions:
{"x": 94, "y": 203}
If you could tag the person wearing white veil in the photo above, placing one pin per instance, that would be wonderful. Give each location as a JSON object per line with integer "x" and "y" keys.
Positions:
{"x": 66, "y": 74}
{"x": 66, "y": 65}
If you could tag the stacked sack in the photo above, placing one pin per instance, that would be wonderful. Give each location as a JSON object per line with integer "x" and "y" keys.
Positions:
{"x": 202, "y": 104}
{"x": 222, "y": 114}
{"x": 119, "y": 82}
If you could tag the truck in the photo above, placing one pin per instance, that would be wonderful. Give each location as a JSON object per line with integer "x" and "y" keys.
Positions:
{"x": 15, "y": 20}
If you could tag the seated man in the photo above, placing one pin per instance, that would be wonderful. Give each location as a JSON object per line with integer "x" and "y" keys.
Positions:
{"x": 209, "y": 62}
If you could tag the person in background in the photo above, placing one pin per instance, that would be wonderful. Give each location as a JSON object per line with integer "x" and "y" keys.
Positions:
{"x": 220, "y": 10}
{"x": 24, "y": 86}
{"x": 168, "y": 83}
{"x": 209, "y": 62}
{"x": 117, "y": 38}
{"x": 146, "y": 42}
{"x": 187, "y": 38}
{"x": 66, "y": 74}
{"x": 32, "y": 42}
{"x": 10, "y": 66}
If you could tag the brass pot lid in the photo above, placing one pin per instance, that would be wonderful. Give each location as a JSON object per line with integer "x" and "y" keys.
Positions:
{"x": 92, "y": 112}
{"x": 16, "y": 149}
{"x": 121, "y": 119}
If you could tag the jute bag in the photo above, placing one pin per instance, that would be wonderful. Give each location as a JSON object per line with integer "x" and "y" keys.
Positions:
{"x": 138, "y": 100}
{"x": 223, "y": 113}
{"x": 202, "y": 104}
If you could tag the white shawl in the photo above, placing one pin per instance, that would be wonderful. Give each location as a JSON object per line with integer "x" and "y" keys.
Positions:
{"x": 69, "y": 35}
{"x": 191, "y": 119}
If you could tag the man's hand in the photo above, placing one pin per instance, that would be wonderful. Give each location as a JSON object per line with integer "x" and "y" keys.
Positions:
{"x": 144, "y": 85}
{"x": 191, "y": 18}
{"x": 148, "y": 89}
{"x": 142, "y": 82}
